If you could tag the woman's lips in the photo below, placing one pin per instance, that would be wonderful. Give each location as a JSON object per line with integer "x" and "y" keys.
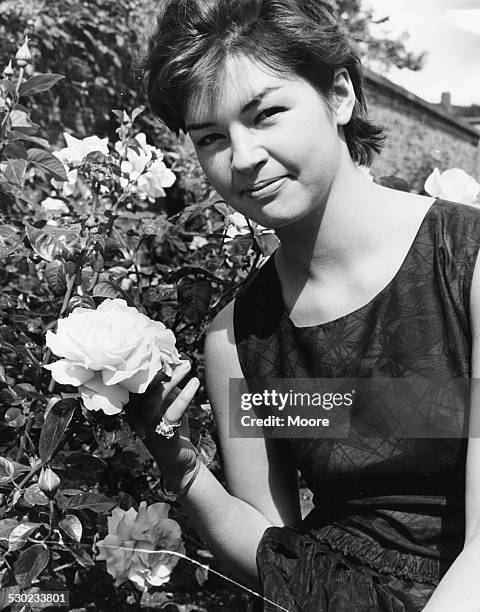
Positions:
{"x": 265, "y": 188}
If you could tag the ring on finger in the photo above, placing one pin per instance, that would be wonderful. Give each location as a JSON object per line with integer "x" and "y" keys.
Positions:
{"x": 166, "y": 429}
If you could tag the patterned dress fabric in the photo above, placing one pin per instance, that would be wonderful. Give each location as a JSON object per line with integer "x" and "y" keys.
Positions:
{"x": 389, "y": 512}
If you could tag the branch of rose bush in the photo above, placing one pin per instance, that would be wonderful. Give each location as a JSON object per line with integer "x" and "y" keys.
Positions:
{"x": 25, "y": 435}
{"x": 22, "y": 58}
{"x": 66, "y": 299}
{"x": 131, "y": 253}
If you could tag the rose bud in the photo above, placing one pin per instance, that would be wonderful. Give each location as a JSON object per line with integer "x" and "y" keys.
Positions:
{"x": 8, "y": 70}
{"x": 48, "y": 482}
{"x": 23, "y": 55}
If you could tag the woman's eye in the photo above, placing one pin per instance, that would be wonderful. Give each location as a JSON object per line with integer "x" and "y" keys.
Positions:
{"x": 208, "y": 140}
{"x": 268, "y": 114}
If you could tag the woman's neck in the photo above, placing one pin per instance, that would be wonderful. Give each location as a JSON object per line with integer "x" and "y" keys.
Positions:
{"x": 331, "y": 239}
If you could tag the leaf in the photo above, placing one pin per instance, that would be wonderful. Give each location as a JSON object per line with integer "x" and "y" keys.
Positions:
{"x": 15, "y": 150}
{"x": 90, "y": 501}
{"x": 18, "y": 537}
{"x": 55, "y": 426}
{"x": 15, "y": 135}
{"x": 194, "y": 296}
{"x": 106, "y": 289}
{"x": 267, "y": 243}
{"x": 5, "y": 594}
{"x": 19, "y": 468}
{"x": 7, "y": 525}
{"x": 33, "y": 495}
{"x": 38, "y": 83}
{"x": 56, "y": 276}
{"x": 9, "y": 239}
{"x": 52, "y": 242}
{"x": 8, "y": 87}
{"x": 137, "y": 111}
{"x": 82, "y": 557}
{"x": 48, "y": 162}
{"x": 15, "y": 170}
{"x": 72, "y": 526}
{"x": 201, "y": 575}
{"x": 19, "y": 118}
{"x": 30, "y": 564}
{"x": 89, "y": 461}
{"x": 6, "y": 470}
{"x": 108, "y": 247}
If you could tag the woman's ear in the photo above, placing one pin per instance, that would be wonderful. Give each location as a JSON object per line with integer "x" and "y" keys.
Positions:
{"x": 343, "y": 96}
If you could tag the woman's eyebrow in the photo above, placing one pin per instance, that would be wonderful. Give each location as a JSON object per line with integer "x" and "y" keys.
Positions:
{"x": 250, "y": 104}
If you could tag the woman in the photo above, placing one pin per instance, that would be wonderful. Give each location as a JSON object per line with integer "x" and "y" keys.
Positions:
{"x": 367, "y": 283}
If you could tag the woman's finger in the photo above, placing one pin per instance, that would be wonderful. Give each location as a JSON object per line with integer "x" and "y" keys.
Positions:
{"x": 178, "y": 375}
{"x": 178, "y": 407}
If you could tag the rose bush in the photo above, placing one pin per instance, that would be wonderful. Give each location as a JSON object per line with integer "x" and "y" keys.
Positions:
{"x": 136, "y": 544}
{"x": 81, "y": 228}
{"x": 110, "y": 352}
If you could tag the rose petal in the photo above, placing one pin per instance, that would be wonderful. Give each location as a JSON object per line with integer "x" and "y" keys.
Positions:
{"x": 67, "y": 372}
{"x": 98, "y": 396}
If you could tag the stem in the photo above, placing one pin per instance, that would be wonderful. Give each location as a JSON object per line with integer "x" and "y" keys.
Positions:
{"x": 21, "y": 72}
{"x": 131, "y": 253}
{"x": 66, "y": 299}
{"x": 7, "y": 115}
{"x": 30, "y": 474}
{"x": 23, "y": 439}
{"x": 52, "y": 516}
{"x": 68, "y": 294}
{"x": 95, "y": 198}
{"x": 95, "y": 278}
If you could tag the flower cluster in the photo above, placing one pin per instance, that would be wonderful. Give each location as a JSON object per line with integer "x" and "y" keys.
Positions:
{"x": 110, "y": 352}
{"x": 73, "y": 155}
{"x": 137, "y": 543}
{"x": 143, "y": 171}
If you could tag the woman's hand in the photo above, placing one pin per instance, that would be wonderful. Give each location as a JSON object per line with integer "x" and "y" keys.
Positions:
{"x": 176, "y": 456}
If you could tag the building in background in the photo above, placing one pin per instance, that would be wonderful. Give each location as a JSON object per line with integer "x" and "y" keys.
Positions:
{"x": 468, "y": 115}
{"x": 420, "y": 135}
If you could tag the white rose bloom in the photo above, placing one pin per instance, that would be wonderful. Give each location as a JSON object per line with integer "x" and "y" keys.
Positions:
{"x": 148, "y": 149}
{"x": 150, "y": 185}
{"x": 68, "y": 186}
{"x": 453, "y": 184}
{"x": 137, "y": 543}
{"x": 54, "y": 205}
{"x": 107, "y": 348}
{"x": 134, "y": 165}
{"x": 198, "y": 242}
{"x": 77, "y": 149}
{"x": 237, "y": 225}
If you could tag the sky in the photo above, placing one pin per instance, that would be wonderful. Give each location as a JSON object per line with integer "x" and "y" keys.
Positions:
{"x": 449, "y": 30}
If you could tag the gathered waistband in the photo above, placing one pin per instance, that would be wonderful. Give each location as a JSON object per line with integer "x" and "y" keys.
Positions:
{"x": 370, "y": 552}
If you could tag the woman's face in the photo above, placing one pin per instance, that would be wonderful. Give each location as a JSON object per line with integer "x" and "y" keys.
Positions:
{"x": 270, "y": 145}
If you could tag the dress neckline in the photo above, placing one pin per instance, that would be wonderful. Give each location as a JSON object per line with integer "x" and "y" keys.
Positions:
{"x": 376, "y": 297}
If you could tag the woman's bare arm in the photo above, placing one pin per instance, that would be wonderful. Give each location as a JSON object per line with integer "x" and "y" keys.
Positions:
{"x": 263, "y": 490}
{"x": 460, "y": 587}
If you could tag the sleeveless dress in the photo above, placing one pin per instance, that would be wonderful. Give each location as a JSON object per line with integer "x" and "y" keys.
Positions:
{"x": 388, "y": 519}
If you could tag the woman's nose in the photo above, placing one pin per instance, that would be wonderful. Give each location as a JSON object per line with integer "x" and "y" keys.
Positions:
{"x": 247, "y": 151}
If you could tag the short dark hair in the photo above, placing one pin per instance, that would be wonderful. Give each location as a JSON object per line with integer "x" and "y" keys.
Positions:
{"x": 193, "y": 38}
